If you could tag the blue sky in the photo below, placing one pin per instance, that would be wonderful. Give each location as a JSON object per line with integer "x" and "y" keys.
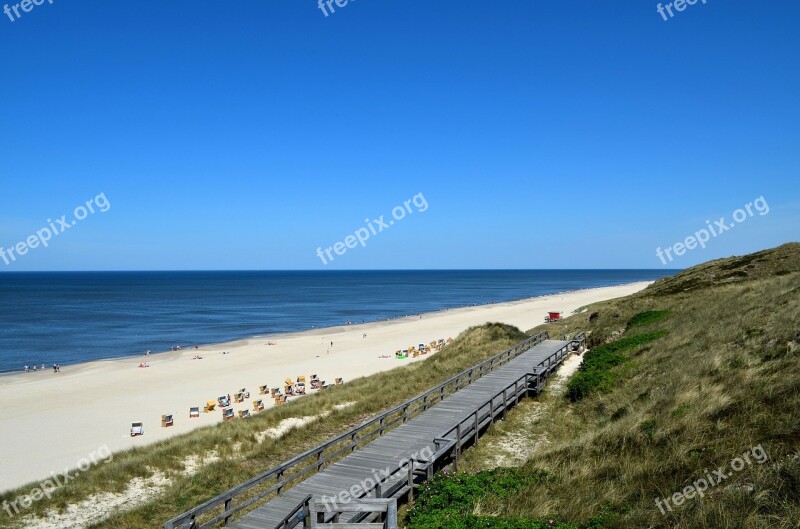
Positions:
{"x": 246, "y": 135}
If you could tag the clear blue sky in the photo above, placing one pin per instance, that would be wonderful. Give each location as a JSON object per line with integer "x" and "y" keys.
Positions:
{"x": 244, "y": 135}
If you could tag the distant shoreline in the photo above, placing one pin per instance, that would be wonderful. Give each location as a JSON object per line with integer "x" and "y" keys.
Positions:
{"x": 321, "y": 331}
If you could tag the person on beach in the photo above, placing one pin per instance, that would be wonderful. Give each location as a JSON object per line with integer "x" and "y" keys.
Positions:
{"x": 54, "y": 368}
{"x": 26, "y": 369}
{"x": 34, "y": 367}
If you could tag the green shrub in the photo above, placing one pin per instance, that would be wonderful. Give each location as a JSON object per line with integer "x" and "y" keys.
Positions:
{"x": 646, "y": 318}
{"x": 448, "y": 500}
{"x": 597, "y": 373}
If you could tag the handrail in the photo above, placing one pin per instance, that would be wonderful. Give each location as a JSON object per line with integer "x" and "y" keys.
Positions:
{"x": 280, "y": 471}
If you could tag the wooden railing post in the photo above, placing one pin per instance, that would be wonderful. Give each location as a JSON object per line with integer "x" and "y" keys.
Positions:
{"x": 228, "y": 504}
{"x": 411, "y": 483}
{"x": 476, "y": 428}
{"x": 391, "y": 515}
{"x": 458, "y": 446}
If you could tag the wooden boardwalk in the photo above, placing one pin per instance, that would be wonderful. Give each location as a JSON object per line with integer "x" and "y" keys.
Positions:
{"x": 391, "y": 464}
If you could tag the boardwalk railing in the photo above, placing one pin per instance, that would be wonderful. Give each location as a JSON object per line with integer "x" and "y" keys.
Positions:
{"x": 450, "y": 443}
{"x": 223, "y": 507}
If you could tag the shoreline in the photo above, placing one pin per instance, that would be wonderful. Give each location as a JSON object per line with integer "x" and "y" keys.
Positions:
{"x": 17, "y": 370}
{"x": 4, "y": 375}
{"x": 91, "y": 405}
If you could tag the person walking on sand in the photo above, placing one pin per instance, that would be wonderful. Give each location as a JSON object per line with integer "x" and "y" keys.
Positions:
{"x": 26, "y": 369}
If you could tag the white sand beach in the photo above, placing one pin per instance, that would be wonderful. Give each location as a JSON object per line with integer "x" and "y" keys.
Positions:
{"x": 50, "y": 421}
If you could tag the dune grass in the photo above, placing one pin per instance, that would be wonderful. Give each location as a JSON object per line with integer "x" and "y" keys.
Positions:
{"x": 724, "y": 377}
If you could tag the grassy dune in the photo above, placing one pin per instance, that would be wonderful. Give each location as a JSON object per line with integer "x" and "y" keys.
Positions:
{"x": 649, "y": 419}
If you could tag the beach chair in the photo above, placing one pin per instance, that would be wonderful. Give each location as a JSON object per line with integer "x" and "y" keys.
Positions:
{"x": 339, "y": 381}
{"x": 280, "y": 399}
{"x": 238, "y": 397}
{"x": 449, "y": 340}
{"x": 415, "y": 354}
{"x": 243, "y": 414}
{"x": 263, "y": 390}
{"x": 210, "y": 405}
{"x": 244, "y": 392}
{"x": 167, "y": 421}
{"x": 194, "y": 412}
{"x": 301, "y": 379}
{"x": 275, "y": 392}
{"x": 227, "y": 414}
{"x": 137, "y": 429}
{"x": 258, "y": 405}
{"x": 288, "y": 382}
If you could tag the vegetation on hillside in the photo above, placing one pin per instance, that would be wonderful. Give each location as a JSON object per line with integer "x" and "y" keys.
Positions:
{"x": 722, "y": 378}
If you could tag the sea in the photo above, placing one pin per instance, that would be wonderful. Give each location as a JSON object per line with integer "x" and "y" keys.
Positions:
{"x": 75, "y": 317}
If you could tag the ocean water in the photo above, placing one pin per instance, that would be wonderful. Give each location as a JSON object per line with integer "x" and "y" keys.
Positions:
{"x": 76, "y": 317}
